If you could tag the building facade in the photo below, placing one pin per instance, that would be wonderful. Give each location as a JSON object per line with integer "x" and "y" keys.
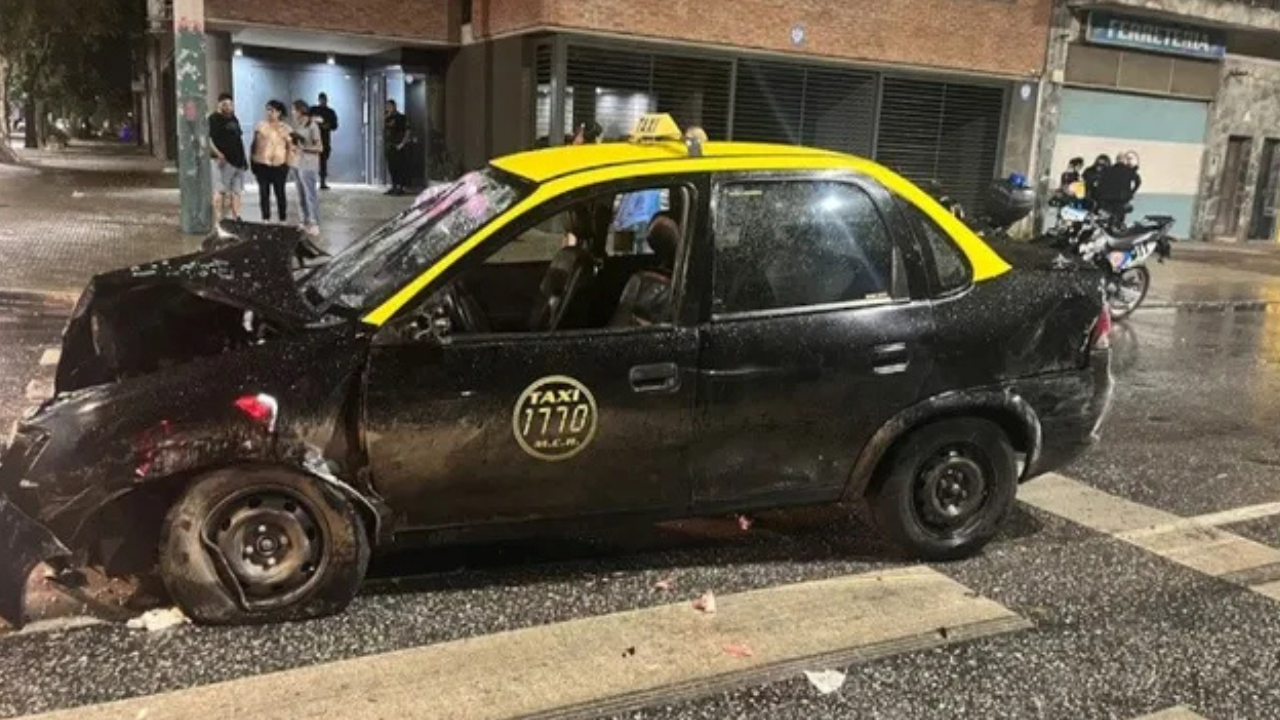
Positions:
{"x": 1193, "y": 86}
{"x": 945, "y": 90}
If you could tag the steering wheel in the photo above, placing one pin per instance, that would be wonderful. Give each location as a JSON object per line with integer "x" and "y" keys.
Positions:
{"x": 464, "y": 312}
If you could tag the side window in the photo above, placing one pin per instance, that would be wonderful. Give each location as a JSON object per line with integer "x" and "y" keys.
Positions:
{"x": 952, "y": 267}
{"x": 604, "y": 260}
{"x": 800, "y": 243}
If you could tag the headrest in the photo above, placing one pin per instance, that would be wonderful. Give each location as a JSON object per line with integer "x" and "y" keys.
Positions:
{"x": 664, "y": 238}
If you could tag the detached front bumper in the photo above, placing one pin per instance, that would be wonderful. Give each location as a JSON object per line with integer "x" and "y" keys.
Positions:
{"x": 25, "y": 544}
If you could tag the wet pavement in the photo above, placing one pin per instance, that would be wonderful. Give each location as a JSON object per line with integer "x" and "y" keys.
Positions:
{"x": 74, "y": 213}
{"x": 1118, "y": 632}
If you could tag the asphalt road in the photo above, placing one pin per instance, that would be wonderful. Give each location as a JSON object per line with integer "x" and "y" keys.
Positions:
{"x": 1115, "y": 630}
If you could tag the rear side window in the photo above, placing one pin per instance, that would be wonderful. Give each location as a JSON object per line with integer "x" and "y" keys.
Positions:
{"x": 952, "y": 267}
{"x": 796, "y": 244}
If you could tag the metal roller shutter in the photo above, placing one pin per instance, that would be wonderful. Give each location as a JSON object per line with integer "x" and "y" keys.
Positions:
{"x": 824, "y": 107}
{"x": 944, "y": 132}
{"x": 615, "y": 87}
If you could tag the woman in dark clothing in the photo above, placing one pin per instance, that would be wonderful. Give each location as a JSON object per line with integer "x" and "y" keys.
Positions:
{"x": 271, "y": 141}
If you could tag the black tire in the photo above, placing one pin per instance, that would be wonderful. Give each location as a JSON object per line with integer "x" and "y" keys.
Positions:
{"x": 1141, "y": 277}
{"x": 317, "y": 573}
{"x": 909, "y": 503}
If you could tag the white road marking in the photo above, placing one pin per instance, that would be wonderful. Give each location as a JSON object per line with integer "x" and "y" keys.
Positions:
{"x": 1240, "y": 514}
{"x": 1186, "y": 541}
{"x": 50, "y": 357}
{"x": 1178, "y": 713}
{"x": 608, "y": 664}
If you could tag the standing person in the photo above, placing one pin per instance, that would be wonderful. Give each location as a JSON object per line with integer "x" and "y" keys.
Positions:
{"x": 1073, "y": 174}
{"x": 395, "y": 135}
{"x": 328, "y": 120}
{"x": 589, "y": 133}
{"x": 308, "y": 149}
{"x": 230, "y": 164}
{"x": 271, "y": 160}
{"x": 1117, "y": 186}
{"x": 1091, "y": 176}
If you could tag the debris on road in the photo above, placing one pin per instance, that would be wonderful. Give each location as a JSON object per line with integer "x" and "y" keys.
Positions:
{"x": 664, "y": 584}
{"x": 744, "y": 523}
{"x": 738, "y": 651}
{"x": 158, "y": 619}
{"x": 706, "y": 603}
{"x": 825, "y": 681}
{"x": 77, "y": 194}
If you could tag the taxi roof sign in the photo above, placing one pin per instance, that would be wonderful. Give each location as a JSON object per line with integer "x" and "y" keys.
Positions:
{"x": 654, "y": 127}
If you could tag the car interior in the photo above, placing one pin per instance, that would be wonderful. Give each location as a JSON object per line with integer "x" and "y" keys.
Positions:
{"x": 575, "y": 270}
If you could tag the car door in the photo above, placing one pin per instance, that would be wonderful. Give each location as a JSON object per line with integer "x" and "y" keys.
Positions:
{"x": 814, "y": 339}
{"x": 515, "y": 426}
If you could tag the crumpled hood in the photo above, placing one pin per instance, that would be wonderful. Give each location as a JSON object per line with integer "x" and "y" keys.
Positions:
{"x": 255, "y": 274}
{"x": 194, "y": 305}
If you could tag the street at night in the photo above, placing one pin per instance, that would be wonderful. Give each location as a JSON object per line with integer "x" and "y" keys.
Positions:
{"x": 625, "y": 360}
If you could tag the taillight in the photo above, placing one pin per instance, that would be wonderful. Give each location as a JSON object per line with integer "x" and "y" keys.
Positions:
{"x": 1100, "y": 338}
{"x": 260, "y": 408}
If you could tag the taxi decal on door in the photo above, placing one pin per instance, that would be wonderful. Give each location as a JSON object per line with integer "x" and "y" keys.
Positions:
{"x": 555, "y": 418}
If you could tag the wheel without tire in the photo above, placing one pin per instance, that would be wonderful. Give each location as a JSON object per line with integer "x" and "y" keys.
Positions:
{"x": 257, "y": 545}
{"x": 947, "y": 488}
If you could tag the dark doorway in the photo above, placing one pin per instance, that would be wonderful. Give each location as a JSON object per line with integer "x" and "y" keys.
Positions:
{"x": 1266, "y": 197}
{"x": 1235, "y": 170}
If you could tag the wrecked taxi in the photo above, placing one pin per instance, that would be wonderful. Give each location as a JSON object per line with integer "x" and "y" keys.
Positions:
{"x": 656, "y": 328}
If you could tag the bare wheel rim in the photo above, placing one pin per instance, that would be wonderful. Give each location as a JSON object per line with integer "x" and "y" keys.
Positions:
{"x": 951, "y": 490}
{"x": 272, "y": 544}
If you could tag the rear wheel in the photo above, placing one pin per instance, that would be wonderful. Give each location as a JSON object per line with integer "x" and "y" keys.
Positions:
{"x": 1126, "y": 291}
{"x": 256, "y": 545}
{"x": 947, "y": 488}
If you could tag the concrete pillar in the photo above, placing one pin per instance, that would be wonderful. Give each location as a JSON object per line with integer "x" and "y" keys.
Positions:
{"x": 1062, "y": 28}
{"x": 192, "y": 90}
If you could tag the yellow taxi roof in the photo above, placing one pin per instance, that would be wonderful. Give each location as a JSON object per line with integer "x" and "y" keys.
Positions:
{"x": 543, "y": 165}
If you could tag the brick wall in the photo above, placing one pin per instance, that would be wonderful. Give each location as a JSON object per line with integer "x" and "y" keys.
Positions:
{"x": 416, "y": 19}
{"x": 997, "y": 36}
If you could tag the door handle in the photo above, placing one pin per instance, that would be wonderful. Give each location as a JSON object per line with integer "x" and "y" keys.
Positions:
{"x": 660, "y": 377}
{"x": 890, "y": 359}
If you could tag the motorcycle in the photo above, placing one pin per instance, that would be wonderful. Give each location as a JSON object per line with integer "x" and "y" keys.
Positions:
{"x": 1121, "y": 252}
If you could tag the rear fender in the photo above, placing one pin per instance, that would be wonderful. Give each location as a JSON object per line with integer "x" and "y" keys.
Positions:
{"x": 999, "y": 404}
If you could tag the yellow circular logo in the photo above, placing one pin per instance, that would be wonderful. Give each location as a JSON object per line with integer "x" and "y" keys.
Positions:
{"x": 555, "y": 418}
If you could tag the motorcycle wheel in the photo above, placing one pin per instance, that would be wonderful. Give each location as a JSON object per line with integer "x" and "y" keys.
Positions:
{"x": 1126, "y": 291}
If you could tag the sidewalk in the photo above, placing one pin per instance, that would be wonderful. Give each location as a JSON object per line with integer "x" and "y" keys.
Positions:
{"x": 1217, "y": 276}
{"x": 68, "y": 215}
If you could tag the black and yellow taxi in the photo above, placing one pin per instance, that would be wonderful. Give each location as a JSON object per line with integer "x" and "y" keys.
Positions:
{"x": 655, "y": 328}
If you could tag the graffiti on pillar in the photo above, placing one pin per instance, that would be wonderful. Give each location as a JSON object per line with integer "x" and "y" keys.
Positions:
{"x": 193, "y": 124}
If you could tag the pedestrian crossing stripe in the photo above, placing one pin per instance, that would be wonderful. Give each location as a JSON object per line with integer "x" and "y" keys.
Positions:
{"x": 1186, "y": 541}
{"x": 610, "y": 663}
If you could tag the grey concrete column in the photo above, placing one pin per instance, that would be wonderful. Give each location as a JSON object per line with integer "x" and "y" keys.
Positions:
{"x": 1063, "y": 27}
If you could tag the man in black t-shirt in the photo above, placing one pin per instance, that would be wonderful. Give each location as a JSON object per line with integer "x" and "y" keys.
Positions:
{"x": 395, "y": 137}
{"x": 328, "y": 125}
{"x": 226, "y": 146}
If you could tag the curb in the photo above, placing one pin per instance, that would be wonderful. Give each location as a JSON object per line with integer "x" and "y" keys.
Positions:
{"x": 1212, "y": 306}
{"x": 57, "y": 296}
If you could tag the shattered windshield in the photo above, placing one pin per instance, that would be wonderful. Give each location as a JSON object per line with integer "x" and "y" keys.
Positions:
{"x": 371, "y": 269}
